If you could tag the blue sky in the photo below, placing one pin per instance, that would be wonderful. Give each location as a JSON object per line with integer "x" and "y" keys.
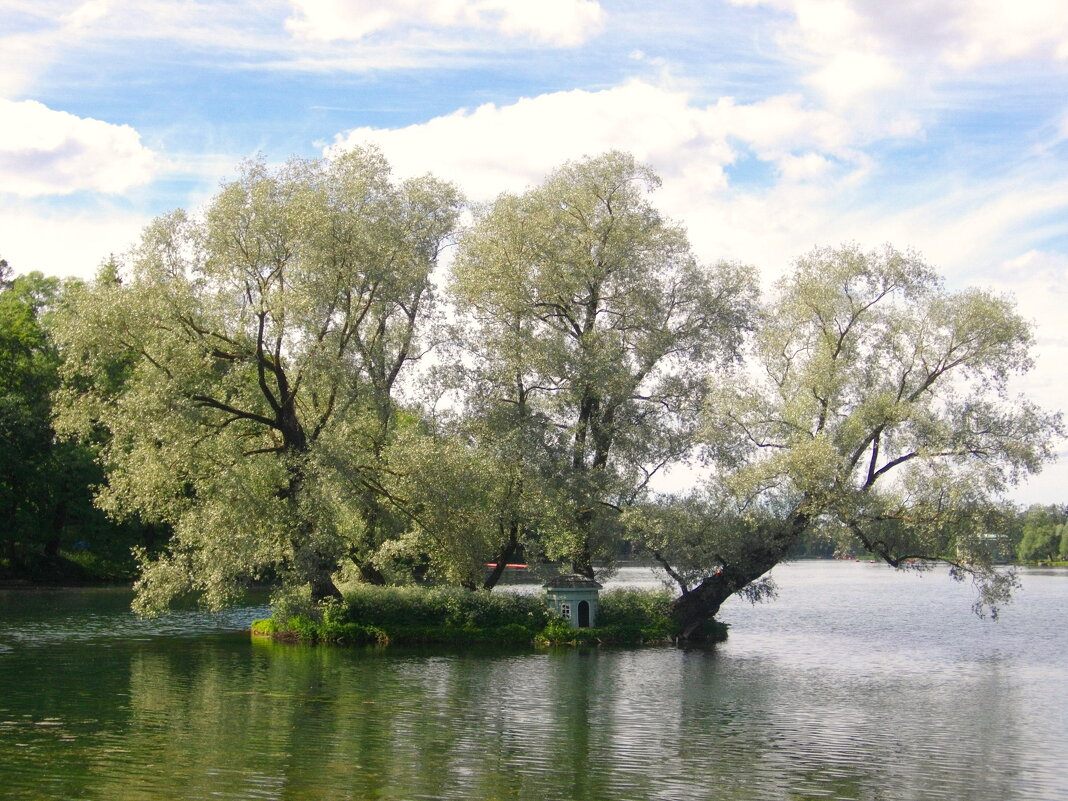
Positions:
{"x": 777, "y": 125}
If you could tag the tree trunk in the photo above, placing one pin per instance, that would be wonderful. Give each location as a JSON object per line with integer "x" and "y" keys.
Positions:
{"x": 694, "y": 609}
{"x": 582, "y": 562}
{"x": 371, "y": 574}
{"x": 322, "y": 581}
{"x": 316, "y": 567}
{"x": 502, "y": 559}
{"x": 371, "y": 538}
{"x": 59, "y": 522}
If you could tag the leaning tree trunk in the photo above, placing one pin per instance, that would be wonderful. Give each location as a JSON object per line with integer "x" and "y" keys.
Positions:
{"x": 695, "y": 608}
{"x": 506, "y": 554}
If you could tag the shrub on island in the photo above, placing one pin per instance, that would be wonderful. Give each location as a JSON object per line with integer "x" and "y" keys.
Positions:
{"x": 448, "y": 615}
{"x": 411, "y": 615}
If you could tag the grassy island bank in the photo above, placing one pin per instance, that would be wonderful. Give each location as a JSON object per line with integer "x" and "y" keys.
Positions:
{"x": 447, "y": 615}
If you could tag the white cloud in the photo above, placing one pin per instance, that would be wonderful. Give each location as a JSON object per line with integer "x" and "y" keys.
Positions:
{"x": 823, "y": 186}
{"x": 1039, "y": 282}
{"x": 40, "y": 34}
{"x": 560, "y": 23}
{"x": 805, "y": 167}
{"x": 962, "y": 34}
{"x": 967, "y": 226}
{"x": 813, "y": 159}
{"x": 496, "y": 148}
{"x": 43, "y": 152}
{"x": 856, "y": 47}
{"x": 783, "y": 124}
{"x": 1002, "y": 30}
{"x": 87, "y": 13}
{"x": 851, "y": 73}
{"x": 293, "y": 35}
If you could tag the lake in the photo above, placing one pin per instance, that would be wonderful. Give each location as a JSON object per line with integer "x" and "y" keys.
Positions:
{"x": 858, "y": 682}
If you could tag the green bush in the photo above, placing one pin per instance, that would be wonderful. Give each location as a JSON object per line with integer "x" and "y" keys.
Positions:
{"x": 381, "y": 615}
{"x": 437, "y": 607}
{"x": 419, "y": 615}
{"x": 560, "y": 632}
{"x": 626, "y": 617}
{"x": 633, "y": 616}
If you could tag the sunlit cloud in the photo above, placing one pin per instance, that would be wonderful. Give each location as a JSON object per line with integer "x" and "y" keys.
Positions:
{"x": 1003, "y": 30}
{"x": 851, "y": 73}
{"x": 1038, "y": 280}
{"x": 87, "y": 13}
{"x": 494, "y": 148}
{"x": 49, "y": 152}
{"x": 811, "y": 158}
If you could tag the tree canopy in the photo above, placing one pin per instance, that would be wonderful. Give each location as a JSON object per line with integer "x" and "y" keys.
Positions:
{"x": 241, "y": 370}
{"x": 28, "y": 365}
{"x": 1044, "y": 534}
{"x": 46, "y": 484}
{"x": 591, "y": 331}
{"x": 874, "y": 403}
{"x": 265, "y": 339}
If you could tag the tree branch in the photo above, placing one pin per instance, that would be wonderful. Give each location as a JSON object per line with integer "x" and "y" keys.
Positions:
{"x": 204, "y": 400}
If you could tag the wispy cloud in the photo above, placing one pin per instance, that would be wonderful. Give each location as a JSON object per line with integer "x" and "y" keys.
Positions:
{"x": 369, "y": 36}
{"x": 850, "y": 47}
{"x": 555, "y": 23}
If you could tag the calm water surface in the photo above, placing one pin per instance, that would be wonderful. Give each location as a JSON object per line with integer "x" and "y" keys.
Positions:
{"x": 857, "y": 683}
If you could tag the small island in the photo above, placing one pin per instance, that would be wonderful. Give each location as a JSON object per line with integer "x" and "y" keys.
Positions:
{"x": 367, "y": 614}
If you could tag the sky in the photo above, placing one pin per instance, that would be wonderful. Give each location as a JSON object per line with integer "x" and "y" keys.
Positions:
{"x": 776, "y": 125}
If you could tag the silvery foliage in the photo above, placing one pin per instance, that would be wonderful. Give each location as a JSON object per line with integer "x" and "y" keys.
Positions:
{"x": 241, "y": 367}
{"x": 587, "y": 332}
{"x": 875, "y": 403}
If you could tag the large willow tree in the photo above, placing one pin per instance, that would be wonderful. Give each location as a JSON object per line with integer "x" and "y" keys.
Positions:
{"x": 590, "y": 331}
{"x": 259, "y": 344}
{"x": 876, "y": 405}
